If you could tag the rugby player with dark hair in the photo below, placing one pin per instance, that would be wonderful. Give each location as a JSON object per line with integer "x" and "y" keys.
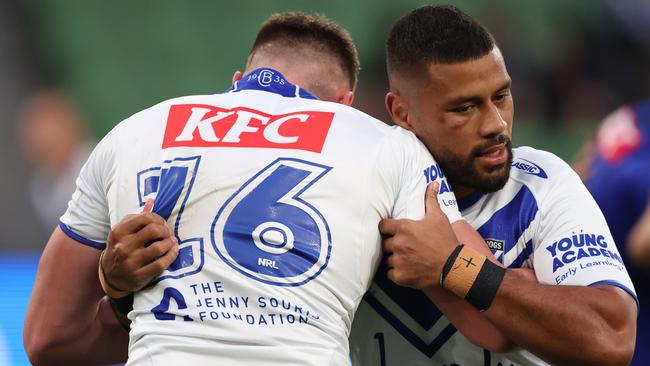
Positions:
{"x": 264, "y": 233}
{"x": 449, "y": 85}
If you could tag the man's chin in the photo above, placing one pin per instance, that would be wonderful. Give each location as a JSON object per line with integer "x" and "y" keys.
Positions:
{"x": 493, "y": 180}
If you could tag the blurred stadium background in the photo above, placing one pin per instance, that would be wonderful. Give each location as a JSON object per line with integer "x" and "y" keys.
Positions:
{"x": 572, "y": 63}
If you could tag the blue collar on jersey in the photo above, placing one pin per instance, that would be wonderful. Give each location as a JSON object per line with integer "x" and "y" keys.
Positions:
{"x": 269, "y": 80}
{"x": 469, "y": 200}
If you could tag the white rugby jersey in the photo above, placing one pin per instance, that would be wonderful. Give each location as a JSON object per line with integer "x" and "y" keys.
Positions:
{"x": 275, "y": 198}
{"x": 543, "y": 218}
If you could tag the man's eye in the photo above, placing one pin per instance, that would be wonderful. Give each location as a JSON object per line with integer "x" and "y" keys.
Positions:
{"x": 501, "y": 97}
{"x": 462, "y": 109}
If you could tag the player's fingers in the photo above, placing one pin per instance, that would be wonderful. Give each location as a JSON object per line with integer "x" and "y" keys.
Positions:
{"x": 148, "y": 206}
{"x": 431, "y": 203}
{"x": 391, "y": 261}
{"x": 155, "y": 250}
{"x": 387, "y": 245}
{"x": 156, "y": 218}
{"x": 148, "y": 211}
{"x": 133, "y": 223}
{"x": 394, "y": 276}
{"x": 144, "y": 237}
{"x": 388, "y": 226}
{"x": 123, "y": 227}
{"x": 168, "y": 258}
{"x": 157, "y": 267}
{"x": 390, "y": 273}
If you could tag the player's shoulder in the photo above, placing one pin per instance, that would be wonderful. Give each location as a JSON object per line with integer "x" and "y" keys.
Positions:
{"x": 163, "y": 106}
{"x": 350, "y": 115}
{"x": 530, "y": 165}
{"x": 153, "y": 114}
{"x": 401, "y": 141}
{"x": 364, "y": 127}
{"x": 543, "y": 173}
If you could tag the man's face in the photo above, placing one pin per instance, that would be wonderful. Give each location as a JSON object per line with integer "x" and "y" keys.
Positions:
{"x": 463, "y": 114}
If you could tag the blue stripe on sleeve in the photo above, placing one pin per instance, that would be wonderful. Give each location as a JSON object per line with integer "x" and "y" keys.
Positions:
{"x": 81, "y": 239}
{"x": 621, "y": 286}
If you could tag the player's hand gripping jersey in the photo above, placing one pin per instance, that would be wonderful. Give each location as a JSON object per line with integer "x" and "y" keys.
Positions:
{"x": 543, "y": 218}
{"x": 275, "y": 198}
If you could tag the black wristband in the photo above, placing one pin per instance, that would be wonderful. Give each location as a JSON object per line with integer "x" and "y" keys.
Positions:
{"x": 450, "y": 262}
{"x": 124, "y": 304}
{"x": 485, "y": 287}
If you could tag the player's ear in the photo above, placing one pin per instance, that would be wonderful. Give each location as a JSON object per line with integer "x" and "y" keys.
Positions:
{"x": 237, "y": 76}
{"x": 346, "y": 98}
{"x": 398, "y": 110}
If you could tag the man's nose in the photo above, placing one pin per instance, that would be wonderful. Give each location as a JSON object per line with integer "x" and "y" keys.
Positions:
{"x": 493, "y": 122}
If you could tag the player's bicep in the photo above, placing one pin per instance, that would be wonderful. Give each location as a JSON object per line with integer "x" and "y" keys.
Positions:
{"x": 66, "y": 281}
{"x": 65, "y": 262}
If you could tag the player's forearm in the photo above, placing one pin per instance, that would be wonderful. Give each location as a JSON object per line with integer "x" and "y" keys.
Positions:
{"x": 89, "y": 336}
{"x": 469, "y": 321}
{"x": 111, "y": 338}
{"x": 66, "y": 321}
{"x": 566, "y": 324}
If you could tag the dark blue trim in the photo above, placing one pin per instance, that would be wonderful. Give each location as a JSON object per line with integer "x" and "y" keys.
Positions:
{"x": 141, "y": 194}
{"x": 269, "y": 80}
{"x": 427, "y": 349}
{"x": 469, "y": 200}
{"x": 525, "y": 254}
{"x": 621, "y": 286}
{"x": 168, "y": 164}
{"x": 171, "y": 185}
{"x": 302, "y": 93}
{"x": 81, "y": 239}
{"x": 487, "y": 358}
{"x": 414, "y": 302}
{"x": 527, "y": 212}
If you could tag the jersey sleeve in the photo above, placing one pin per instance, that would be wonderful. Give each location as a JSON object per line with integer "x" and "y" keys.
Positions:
{"x": 419, "y": 168}
{"x": 574, "y": 245}
{"x": 87, "y": 218}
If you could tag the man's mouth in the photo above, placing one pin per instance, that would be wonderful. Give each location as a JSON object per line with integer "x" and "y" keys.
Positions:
{"x": 493, "y": 156}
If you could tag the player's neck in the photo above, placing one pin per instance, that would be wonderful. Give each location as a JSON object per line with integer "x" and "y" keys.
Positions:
{"x": 462, "y": 192}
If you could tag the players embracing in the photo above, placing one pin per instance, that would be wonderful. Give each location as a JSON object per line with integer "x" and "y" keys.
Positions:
{"x": 232, "y": 282}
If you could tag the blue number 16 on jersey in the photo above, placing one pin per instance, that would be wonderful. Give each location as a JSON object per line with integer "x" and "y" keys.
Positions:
{"x": 266, "y": 231}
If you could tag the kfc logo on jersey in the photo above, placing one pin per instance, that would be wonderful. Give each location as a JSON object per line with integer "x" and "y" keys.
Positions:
{"x": 200, "y": 125}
